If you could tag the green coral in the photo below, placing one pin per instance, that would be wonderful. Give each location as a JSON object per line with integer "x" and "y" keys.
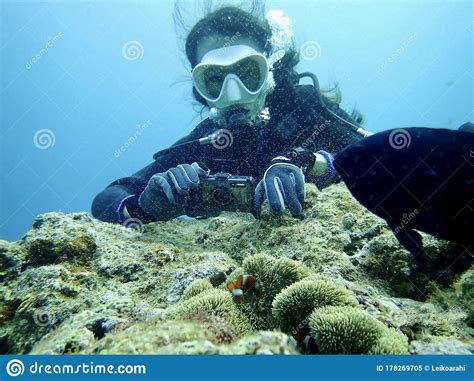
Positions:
{"x": 210, "y": 303}
{"x": 308, "y": 295}
{"x": 392, "y": 342}
{"x": 259, "y": 265}
{"x": 195, "y": 288}
{"x": 346, "y": 330}
{"x": 350, "y": 330}
{"x": 272, "y": 276}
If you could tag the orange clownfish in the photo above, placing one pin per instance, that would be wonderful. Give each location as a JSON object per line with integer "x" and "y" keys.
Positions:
{"x": 241, "y": 286}
{"x": 306, "y": 343}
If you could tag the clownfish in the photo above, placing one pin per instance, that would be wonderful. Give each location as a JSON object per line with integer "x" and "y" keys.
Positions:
{"x": 242, "y": 285}
{"x": 305, "y": 343}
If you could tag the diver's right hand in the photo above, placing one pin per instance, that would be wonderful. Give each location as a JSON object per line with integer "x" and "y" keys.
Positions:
{"x": 166, "y": 195}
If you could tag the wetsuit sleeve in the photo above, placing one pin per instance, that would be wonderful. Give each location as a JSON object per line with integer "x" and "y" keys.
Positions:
{"x": 109, "y": 205}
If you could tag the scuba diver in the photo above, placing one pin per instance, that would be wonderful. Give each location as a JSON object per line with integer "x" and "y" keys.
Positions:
{"x": 265, "y": 132}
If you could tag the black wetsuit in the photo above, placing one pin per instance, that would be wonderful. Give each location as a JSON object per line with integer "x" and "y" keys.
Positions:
{"x": 297, "y": 120}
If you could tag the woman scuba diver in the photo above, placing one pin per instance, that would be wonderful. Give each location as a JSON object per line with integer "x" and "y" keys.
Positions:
{"x": 262, "y": 125}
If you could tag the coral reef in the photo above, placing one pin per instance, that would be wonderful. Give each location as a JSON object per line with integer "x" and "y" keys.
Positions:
{"x": 73, "y": 284}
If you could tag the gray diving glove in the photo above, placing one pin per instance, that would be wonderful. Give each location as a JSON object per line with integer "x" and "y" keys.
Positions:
{"x": 283, "y": 185}
{"x": 166, "y": 195}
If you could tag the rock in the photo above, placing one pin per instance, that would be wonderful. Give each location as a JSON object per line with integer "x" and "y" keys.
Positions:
{"x": 208, "y": 265}
{"x": 54, "y": 239}
{"x": 263, "y": 343}
{"x": 11, "y": 258}
{"x": 74, "y": 284}
{"x": 72, "y": 337}
{"x": 442, "y": 347}
{"x": 348, "y": 221}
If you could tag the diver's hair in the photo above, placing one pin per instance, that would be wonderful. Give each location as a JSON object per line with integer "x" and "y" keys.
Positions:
{"x": 247, "y": 19}
{"x": 244, "y": 20}
{"x": 231, "y": 22}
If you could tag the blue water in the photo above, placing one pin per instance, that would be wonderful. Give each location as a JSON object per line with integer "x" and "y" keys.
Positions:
{"x": 402, "y": 63}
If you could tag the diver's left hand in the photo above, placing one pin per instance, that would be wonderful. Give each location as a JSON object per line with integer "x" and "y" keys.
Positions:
{"x": 283, "y": 185}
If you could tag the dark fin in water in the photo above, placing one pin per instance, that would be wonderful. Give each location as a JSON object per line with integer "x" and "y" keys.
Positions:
{"x": 412, "y": 241}
{"x": 420, "y": 265}
{"x": 467, "y": 127}
{"x": 409, "y": 239}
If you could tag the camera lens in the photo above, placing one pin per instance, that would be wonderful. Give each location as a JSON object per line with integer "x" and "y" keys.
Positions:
{"x": 222, "y": 196}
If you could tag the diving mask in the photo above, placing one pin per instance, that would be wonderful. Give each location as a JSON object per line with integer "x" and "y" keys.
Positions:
{"x": 233, "y": 75}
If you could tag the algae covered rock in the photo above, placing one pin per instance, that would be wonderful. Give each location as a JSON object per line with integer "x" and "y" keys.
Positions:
{"x": 442, "y": 347}
{"x": 73, "y": 284}
{"x": 11, "y": 258}
{"x": 54, "y": 240}
{"x": 202, "y": 265}
{"x": 190, "y": 337}
{"x": 77, "y": 336}
{"x": 262, "y": 343}
{"x": 159, "y": 337}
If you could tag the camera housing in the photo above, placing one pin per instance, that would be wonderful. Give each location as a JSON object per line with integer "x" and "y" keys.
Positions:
{"x": 224, "y": 192}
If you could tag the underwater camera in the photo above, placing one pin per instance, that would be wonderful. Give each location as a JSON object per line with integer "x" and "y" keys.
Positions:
{"x": 224, "y": 192}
